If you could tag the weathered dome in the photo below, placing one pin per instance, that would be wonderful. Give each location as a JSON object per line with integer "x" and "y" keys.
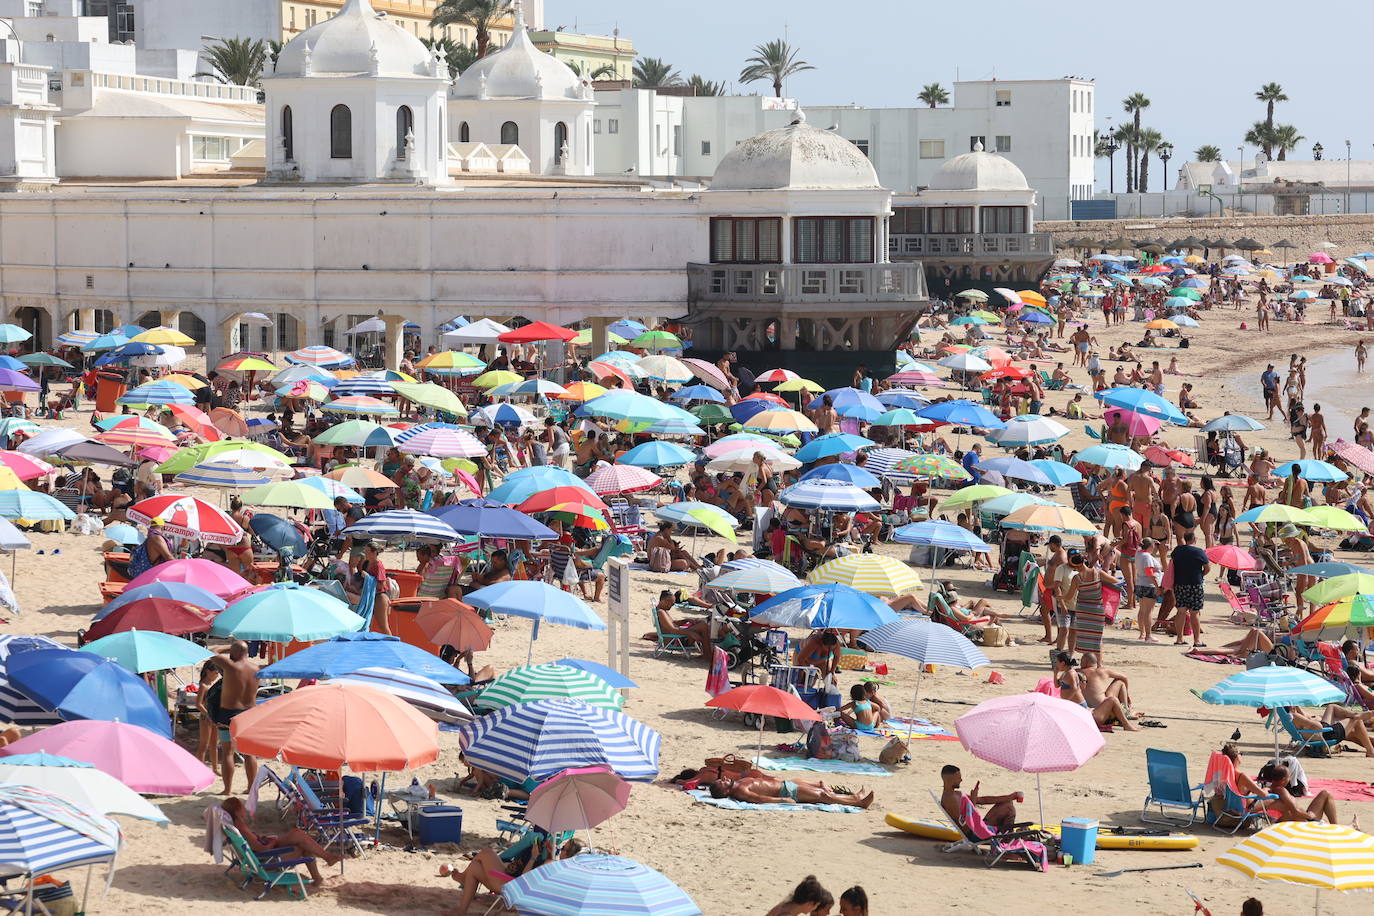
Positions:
{"x": 519, "y": 71}
{"x": 979, "y": 171}
{"x": 354, "y": 41}
{"x": 795, "y": 156}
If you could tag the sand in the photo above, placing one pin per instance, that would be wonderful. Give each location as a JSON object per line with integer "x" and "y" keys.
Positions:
{"x": 744, "y": 862}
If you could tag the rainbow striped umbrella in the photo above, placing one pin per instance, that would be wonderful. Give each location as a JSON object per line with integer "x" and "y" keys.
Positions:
{"x": 868, "y": 572}
{"x": 1322, "y": 856}
{"x": 548, "y": 682}
{"x": 934, "y": 466}
{"x": 452, "y": 362}
{"x": 319, "y": 356}
{"x": 246, "y": 364}
{"x": 361, "y": 405}
{"x": 222, "y": 474}
{"x": 136, "y": 435}
{"x": 1338, "y": 617}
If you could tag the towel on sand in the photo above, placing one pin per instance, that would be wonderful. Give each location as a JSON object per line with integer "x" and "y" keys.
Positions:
{"x": 813, "y": 765}
{"x": 904, "y": 728}
{"x": 705, "y": 798}
{"x": 1343, "y": 789}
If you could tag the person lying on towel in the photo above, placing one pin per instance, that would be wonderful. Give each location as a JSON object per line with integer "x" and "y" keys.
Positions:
{"x": 765, "y": 790}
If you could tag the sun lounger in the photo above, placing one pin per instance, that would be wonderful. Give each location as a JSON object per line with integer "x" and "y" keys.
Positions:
{"x": 1167, "y": 772}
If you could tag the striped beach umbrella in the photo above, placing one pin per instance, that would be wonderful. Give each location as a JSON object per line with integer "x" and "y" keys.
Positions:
{"x": 1273, "y": 685}
{"x": 41, "y": 832}
{"x": 246, "y": 364}
{"x": 187, "y": 516}
{"x": 333, "y": 489}
{"x": 1050, "y": 518}
{"x": 361, "y": 406}
{"x": 1321, "y": 856}
{"x": 157, "y": 393}
{"x": 443, "y": 443}
{"x": 622, "y": 478}
{"x": 137, "y": 436}
{"x": 937, "y": 467}
{"x": 305, "y": 390}
{"x": 539, "y": 739}
{"x": 926, "y": 643}
{"x": 548, "y": 682}
{"x": 830, "y": 495}
{"x": 404, "y": 524}
{"x": 451, "y": 362}
{"x": 761, "y": 578}
{"x": 32, "y": 506}
{"x": 362, "y": 384}
{"x": 1338, "y": 618}
{"x": 317, "y": 355}
{"x": 597, "y": 884}
{"x": 221, "y": 474}
{"x": 76, "y": 338}
{"x": 502, "y": 415}
{"x": 868, "y": 572}
{"x": 822, "y": 606}
{"x": 425, "y": 694}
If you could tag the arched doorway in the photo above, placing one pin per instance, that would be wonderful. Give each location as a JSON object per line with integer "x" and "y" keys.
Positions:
{"x": 151, "y": 319}
{"x": 190, "y": 324}
{"x": 510, "y": 134}
{"x": 560, "y": 140}
{"x": 37, "y": 322}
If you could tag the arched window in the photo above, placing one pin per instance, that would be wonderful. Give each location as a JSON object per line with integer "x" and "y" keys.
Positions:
{"x": 340, "y": 133}
{"x": 405, "y": 123}
{"x": 560, "y": 139}
{"x": 288, "y": 134}
{"x": 510, "y": 134}
{"x": 464, "y": 135}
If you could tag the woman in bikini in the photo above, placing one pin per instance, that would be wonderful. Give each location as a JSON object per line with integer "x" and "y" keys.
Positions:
{"x": 1070, "y": 684}
{"x": 487, "y": 870}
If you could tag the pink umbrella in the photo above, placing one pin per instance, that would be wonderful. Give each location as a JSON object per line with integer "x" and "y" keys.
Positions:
{"x": 622, "y": 478}
{"x": 141, "y": 759}
{"x": 25, "y": 467}
{"x": 1354, "y": 453}
{"x": 443, "y": 443}
{"x": 1031, "y": 733}
{"x": 708, "y": 373}
{"x": 1319, "y": 257}
{"x": 915, "y": 377}
{"x": 1136, "y": 423}
{"x": 219, "y": 580}
{"x": 1232, "y": 557}
{"x": 578, "y": 799}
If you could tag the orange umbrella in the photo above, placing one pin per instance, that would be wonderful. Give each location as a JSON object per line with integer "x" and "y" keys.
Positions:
{"x": 198, "y": 421}
{"x": 230, "y": 422}
{"x": 449, "y": 622}
{"x": 336, "y": 727}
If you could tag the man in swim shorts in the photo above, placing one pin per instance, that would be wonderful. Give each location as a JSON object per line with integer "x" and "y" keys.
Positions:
{"x": 764, "y": 790}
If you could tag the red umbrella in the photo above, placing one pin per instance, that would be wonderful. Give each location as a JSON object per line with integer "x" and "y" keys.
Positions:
{"x": 1232, "y": 557}
{"x": 198, "y": 421}
{"x": 767, "y": 396}
{"x": 763, "y": 701}
{"x": 603, "y": 371}
{"x": 544, "y": 500}
{"x": 1004, "y": 372}
{"x": 449, "y": 622}
{"x": 189, "y": 517}
{"x": 153, "y": 615}
{"x": 536, "y": 331}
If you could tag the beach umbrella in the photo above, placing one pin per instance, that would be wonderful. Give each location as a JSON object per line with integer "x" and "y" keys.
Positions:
{"x": 740, "y": 459}
{"x": 1232, "y": 557}
{"x": 25, "y": 467}
{"x": 1311, "y": 469}
{"x": 535, "y": 332}
{"x": 78, "y": 685}
{"x": 762, "y": 578}
{"x": 124, "y": 534}
{"x": 444, "y": 443}
{"x": 830, "y": 445}
{"x": 142, "y": 652}
{"x": 1270, "y": 686}
{"x": 539, "y": 739}
{"x": 577, "y": 799}
{"x": 1339, "y": 587}
{"x": 868, "y": 572}
{"x": 210, "y": 576}
{"x": 520, "y": 485}
{"x": 427, "y": 695}
{"x": 902, "y": 397}
{"x": 152, "y": 614}
{"x": 41, "y": 832}
{"x": 509, "y": 415}
{"x": 318, "y": 355}
{"x": 1028, "y": 429}
{"x": 926, "y": 643}
{"x": 823, "y": 607}
{"x": 105, "y": 342}
{"x": 164, "y": 335}
{"x": 1015, "y": 468}
{"x": 1317, "y": 855}
{"x": 238, "y": 451}
{"x": 449, "y": 622}
{"x": 1233, "y": 422}
{"x": 162, "y": 392}
{"x": 360, "y": 406}
{"x": 762, "y": 701}
{"x": 780, "y": 421}
{"x": 977, "y": 493}
{"x": 1058, "y": 473}
{"x": 363, "y": 385}
{"x": 221, "y": 474}
{"x": 962, "y": 413}
{"x": 942, "y": 534}
{"x": 481, "y": 331}
{"x": 1276, "y": 512}
{"x": 488, "y": 518}
{"x": 845, "y": 473}
{"x": 404, "y": 524}
{"x": 43, "y": 360}
{"x": 622, "y": 478}
{"x": 657, "y": 455}
{"x": 1109, "y": 455}
{"x": 347, "y": 652}
{"x": 700, "y": 515}
{"x": 545, "y": 500}
{"x": 428, "y": 394}
{"x": 331, "y": 489}
{"x": 829, "y": 495}
{"x": 938, "y": 467}
{"x": 1141, "y": 401}
{"x": 1050, "y": 518}
{"x": 15, "y": 426}
{"x": 141, "y": 759}
{"x": 32, "y": 506}
{"x": 630, "y": 405}
{"x": 356, "y": 477}
{"x": 964, "y": 362}
{"x": 287, "y": 612}
{"x": 583, "y": 391}
{"x": 177, "y": 592}
{"x": 79, "y": 783}
{"x": 1335, "y": 518}
{"x": 336, "y": 727}
{"x": 188, "y": 517}
{"x": 1338, "y": 618}
{"x": 537, "y": 601}
{"x": 76, "y": 338}
{"x": 548, "y": 682}
{"x": 1030, "y": 733}
{"x": 1327, "y": 569}
{"x": 15, "y": 706}
{"x": 306, "y": 390}
{"x": 665, "y": 368}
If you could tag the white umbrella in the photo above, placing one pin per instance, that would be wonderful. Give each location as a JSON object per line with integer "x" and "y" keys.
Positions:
{"x": 482, "y": 331}
{"x": 51, "y": 440}
{"x": 370, "y": 326}
{"x": 965, "y": 362}
{"x": 80, "y": 783}
{"x": 742, "y": 460}
{"x": 257, "y": 319}
{"x": 665, "y": 368}
{"x": 170, "y": 356}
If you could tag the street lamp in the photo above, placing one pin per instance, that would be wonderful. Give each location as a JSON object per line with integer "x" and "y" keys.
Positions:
{"x": 1111, "y": 146}
{"x": 1347, "y": 176}
{"x": 1317, "y": 152}
{"x": 1165, "y": 151}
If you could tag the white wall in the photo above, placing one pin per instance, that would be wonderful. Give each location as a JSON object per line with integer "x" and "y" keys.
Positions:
{"x": 170, "y": 63}
{"x": 181, "y": 23}
{"x": 120, "y": 148}
{"x": 77, "y": 55}
{"x": 639, "y": 118}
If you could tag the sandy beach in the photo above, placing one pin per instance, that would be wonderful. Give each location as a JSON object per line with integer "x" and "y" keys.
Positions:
{"x": 745, "y": 862}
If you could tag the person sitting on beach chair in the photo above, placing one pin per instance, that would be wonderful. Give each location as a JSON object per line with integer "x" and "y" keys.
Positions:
{"x": 295, "y": 838}
{"x": 766, "y": 790}
{"x": 1000, "y": 816}
{"x": 487, "y": 869}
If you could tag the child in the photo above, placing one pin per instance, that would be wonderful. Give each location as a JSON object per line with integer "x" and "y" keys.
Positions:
{"x": 858, "y": 712}
{"x": 884, "y": 711}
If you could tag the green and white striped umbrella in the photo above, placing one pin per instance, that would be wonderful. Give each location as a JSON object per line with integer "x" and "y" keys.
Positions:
{"x": 549, "y": 682}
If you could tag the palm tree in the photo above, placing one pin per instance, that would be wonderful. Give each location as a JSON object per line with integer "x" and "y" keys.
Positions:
{"x": 1147, "y": 140}
{"x": 455, "y": 55}
{"x": 605, "y": 71}
{"x": 1286, "y": 137}
{"x": 773, "y": 62}
{"x": 1263, "y": 136}
{"x": 273, "y": 51}
{"x": 1135, "y": 104}
{"x": 480, "y": 14}
{"x": 1125, "y": 136}
{"x": 1270, "y": 93}
{"x": 703, "y": 87}
{"x": 650, "y": 73}
{"x": 236, "y": 60}
{"x": 933, "y": 94}
{"x": 1207, "y": 153}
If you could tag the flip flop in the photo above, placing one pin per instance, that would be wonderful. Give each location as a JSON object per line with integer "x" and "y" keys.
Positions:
{"x": 1152, "y": 723}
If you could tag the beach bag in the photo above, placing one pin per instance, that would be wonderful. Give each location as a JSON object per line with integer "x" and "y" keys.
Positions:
{"x": 660, "y": 559}
{"x": 994, "y": 636}
{"x": 893, "y": 752}
{"x": 818, "y": 742}
{"x": 727, "y": 767}
{"x": 844, "y": 745}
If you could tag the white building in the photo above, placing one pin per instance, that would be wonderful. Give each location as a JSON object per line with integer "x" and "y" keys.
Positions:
{"x": 27, "y": 123}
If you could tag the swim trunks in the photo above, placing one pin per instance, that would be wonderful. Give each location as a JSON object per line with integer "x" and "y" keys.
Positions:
{"x": 788, "y": 790}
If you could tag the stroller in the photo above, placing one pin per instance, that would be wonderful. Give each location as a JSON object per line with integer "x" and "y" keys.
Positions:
{"x": 1005, "y": 579}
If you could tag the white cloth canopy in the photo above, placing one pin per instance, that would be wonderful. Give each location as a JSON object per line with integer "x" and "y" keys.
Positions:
{"x": 482, "y": 331}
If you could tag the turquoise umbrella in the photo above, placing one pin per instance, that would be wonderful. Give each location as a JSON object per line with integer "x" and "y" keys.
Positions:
{"x": 287, "y": 612}
{"x": 32, "y": 506}
{"x": 141, "y": 651}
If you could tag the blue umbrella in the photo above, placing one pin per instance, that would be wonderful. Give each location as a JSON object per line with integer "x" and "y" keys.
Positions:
{"x": 414, "y": 431}
{"x": 366, "y": 385}
{"x": 823, "y": 606}
{"x": 157, "y": 393}
{"x": 1031, "y": 316}
{"x": 277, "y": 533}
{"x": 537, "y": 740}
{"x": 1312, "y": 469}
{"x": 124, "y": 534}
{"x": 1233, "y": 422}
{"x": 1273, "y": 685}
{"x": 522, "y": 484}
{"x": 405, "y": 524}
{"x": 1058, "y": 473}
{"x": 925, "y": 643}
{"x": 79, "y": 685}
{"x": 627, "y": 328}
{"x": 350, "y": 651}
{"x": 488, "y": 518}
{"x": 334, "y": 489}
{"x": 830, "y": 495}
{"x": 962, "y": 413}
{"x": 1185, "y": 321}
{"x": 830, "y": 445}
{"x": 147, "y": 651}
{"x": 657, "y": 455}
{"x": 9, "y": 362}
{"x": 597, "y": 884}
{"x": 1109, "y": 455}
{"x": 673, "y": 428}
{"x": 1142, "y": 401}
{"x": 1009, "y": 466}
{"x": 849, "y": 402}
{"x": 32, "y": 505}
{"x": 849, "y": 473}
{"x": 898, "y": 397}
{"x": 16, "y": 707}
{"x": 938, "y": 533}
{"x": 285, "y": 612}
{"x": 1328, "y": 568}
{"x": 173, "y": 591}
{"x": 609, "y": 675}
{"x": 744, "y": 411}
{"x": 1178, "y": 302}
{"x": 699, "y": 393}
{"x": 127, "y": 351}
{"x": 1194, "y": 283}
{"x": 107, "y": 342}
{"x": 1009, "y": 503}
{"x": 536, "y": 601}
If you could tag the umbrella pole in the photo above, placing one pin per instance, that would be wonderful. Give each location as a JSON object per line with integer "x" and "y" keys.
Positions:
{"x": 911, "y": 719}
{"x": 758, "y": 751}
{"x": 1040, "y": 799}
{"x": 377, "y": 829}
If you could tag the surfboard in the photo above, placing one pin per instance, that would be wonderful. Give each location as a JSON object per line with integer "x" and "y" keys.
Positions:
{"x": 936, "y": 830}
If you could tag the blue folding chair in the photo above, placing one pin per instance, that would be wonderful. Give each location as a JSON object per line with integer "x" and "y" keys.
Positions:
{"x": 1303, "y": 738}
{"x": 332, "y": 824}
{"x": 1170, "y": 789}
{"x": 1242, "y": 809}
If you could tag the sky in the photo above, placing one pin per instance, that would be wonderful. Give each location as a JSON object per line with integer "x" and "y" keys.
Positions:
{"x": 1200, "y": 74}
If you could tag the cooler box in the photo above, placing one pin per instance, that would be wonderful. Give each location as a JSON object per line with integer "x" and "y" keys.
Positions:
{"x": 1078, "y": 838}
{"x": 440, "y": 824}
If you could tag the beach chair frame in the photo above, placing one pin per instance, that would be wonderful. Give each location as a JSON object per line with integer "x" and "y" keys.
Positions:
{"x": 993, "y": 848}
{"x": 1170, "y": 788}
{"x": 272, "y": 869}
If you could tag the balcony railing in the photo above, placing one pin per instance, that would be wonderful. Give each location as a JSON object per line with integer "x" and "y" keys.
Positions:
{"x": 978, "y": 245}
{"x": 163, "y": 86}
{"x": 806, "y": 283}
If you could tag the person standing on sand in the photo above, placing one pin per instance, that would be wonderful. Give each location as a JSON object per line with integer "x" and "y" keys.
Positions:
{"x": 1269, "y": 382}
{"x": 240, "y": 692}
{"x": 1361, "y": 354}
{"x": 1316, "y": 431}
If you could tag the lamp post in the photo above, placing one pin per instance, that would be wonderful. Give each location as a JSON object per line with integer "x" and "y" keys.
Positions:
{"x": 1347, "y": 176}
{"x": 1111, "y": 147}
{"x": 1165, "y": 152}
{"x": 1317, "y": 152}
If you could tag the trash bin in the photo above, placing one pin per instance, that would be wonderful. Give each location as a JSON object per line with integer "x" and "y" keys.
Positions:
{"x": 440, "y": 824}
{"x": 1078, "y": 838}
{"x": 108, "y": 389}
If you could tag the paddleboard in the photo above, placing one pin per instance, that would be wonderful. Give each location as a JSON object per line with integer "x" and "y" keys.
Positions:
{"x": 936, "y": 830}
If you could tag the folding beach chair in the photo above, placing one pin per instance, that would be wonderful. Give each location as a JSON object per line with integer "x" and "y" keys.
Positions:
{"x": 1303, "y": 738}
{"x": 1241, "y": 809}
{"x": 270, "y": 869}
{"x": 1016, "y": 845}
{"x": 670, "y": 643}
{"x": 331, "y": 824}
{"x": 1167, "y": 772}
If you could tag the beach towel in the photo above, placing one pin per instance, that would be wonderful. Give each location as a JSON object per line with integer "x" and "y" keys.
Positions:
{"x": 718, "y": 680}
{"x": 1220, "y": 772}
{"x": 1344, "y": 789}
{"x": 916, "y": 729}
{"x": 1214, "y": 659}
{"x": 973, "y": 822}
{"x": 730, "y": 804}
{"x": 250, "y": 801}
{"x": 215, "y": 819}
{"x": 813, "y": 765}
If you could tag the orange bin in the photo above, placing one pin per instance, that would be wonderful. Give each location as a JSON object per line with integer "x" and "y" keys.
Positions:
{"x": 108, "y": 390}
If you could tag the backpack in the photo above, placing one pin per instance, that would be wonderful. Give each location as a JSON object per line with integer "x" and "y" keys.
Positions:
{"x": 139, "y": 562}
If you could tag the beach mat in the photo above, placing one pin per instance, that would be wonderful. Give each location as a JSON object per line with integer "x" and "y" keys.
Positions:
{"x": 730, "y": 804}
{"x": 916, "y": 729}
{"x": 814, "y": 765}
{"x": 1342, "y": 789}
{"x": 1214, "y": 659}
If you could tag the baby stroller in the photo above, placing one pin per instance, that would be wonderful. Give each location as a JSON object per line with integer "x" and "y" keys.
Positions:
{"x": 1004, "y": 580}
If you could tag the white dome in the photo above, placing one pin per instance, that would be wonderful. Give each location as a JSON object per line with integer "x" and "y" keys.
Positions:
{"x": 979, "y": 171}
{"x": 795, "y": 156}
{"x": 519, "y": 71}
{"x": 344, "y": 45}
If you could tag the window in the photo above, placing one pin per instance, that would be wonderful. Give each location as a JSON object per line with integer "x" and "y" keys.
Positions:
{"x": 832, "y": 240}
{"x": 862, "y": 145}
{"x": 405, "y": 127}
{"x": 212, "y": 148}
{"x": 677, "y": 139}
{"x": 33, "y": 8}
{"x": 510, "y": 134}
{"x": 292, "y": 26}
{"x": 658, "y": 137}
{"x": 612, "y": 126}
{"x": 907, "y": 221}
{"x": 1003, "y": 143}
{"x": 1088, "y": 97}
{"x": 706, "y": 147}
{"x": 596, "y": 125}
{"x": 976, "y": 142}
{"x": 340, "y": 133}
{"x": 949, "y": 220}
{"x": 464, "y": 134}
{"x": 746, "y": 241}
{"x": 124, "y": 21}
{"x": 560, "y": 140}
{"x": 932, "y": 149}
{"x": 288, "y": 134}
{"x": 1002, "y": 219}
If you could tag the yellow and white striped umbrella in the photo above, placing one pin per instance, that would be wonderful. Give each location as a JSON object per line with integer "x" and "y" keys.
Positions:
{"x": 780, "y": 421}
{"x": 868, "y": 572}
{"x": 1324, "y": 856}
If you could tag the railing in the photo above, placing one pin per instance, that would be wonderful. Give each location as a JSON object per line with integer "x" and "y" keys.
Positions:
{"x": 1025, "y": 244}
{"x": 163, "y": 86}
{"x": 800, "y": 283}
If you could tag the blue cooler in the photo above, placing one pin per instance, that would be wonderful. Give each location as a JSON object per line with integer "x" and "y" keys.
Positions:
{"x": 440, "y": 824}
{"x": 1078, "y": 838}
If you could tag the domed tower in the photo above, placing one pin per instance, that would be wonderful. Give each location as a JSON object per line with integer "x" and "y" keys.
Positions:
{"x": 522, "y": 97}
{"x": 357, "y": 99}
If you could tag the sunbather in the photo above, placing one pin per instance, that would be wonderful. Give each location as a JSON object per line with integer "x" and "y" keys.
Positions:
{"x": 1001, "y": 816}
{"x": 1337, "y": 724}
{"x": 1100, "y": 682}
{"x": 303, "y": 842}
{"x": 808, "y": 899}
{"x": 1070, "y": 684}
{"x": 766, "y": 790}
{"x": 1274, "y": 777}
{"x": 698, "y": 631}
{"x": 487, "y": 870}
